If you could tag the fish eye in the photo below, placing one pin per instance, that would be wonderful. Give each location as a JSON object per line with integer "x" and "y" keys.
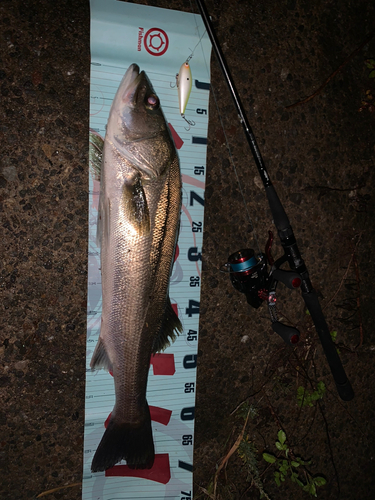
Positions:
{"x": 152, "y": 101}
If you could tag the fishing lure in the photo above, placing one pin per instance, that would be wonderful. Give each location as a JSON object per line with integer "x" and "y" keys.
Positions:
{"x": 184, "y": 83}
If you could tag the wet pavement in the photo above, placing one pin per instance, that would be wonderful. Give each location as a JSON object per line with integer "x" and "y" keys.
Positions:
{"x": 320, "y": 156}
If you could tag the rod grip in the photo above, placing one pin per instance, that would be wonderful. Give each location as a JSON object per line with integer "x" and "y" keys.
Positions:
{"x": 343, "y": 385}
{"x": 278, "y": 212}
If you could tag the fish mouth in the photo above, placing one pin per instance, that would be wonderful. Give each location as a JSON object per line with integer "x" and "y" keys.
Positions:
{"x": 131, "y": 83}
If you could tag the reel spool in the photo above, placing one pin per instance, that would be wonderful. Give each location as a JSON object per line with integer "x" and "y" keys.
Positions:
{"x": 249, "y": 275}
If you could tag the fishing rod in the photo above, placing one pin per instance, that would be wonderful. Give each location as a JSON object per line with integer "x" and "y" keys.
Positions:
{"x": 249, "y": 272}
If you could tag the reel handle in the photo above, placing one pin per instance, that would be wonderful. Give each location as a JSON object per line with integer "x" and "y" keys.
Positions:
{"x": 289, "y": 334}
{"x": 290, "y": 279}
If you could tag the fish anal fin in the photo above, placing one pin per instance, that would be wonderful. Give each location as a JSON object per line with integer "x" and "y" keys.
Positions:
{"x": 170, "y": 327}
{"x": 136, "y": 207}
{"x": 100, "y": 358}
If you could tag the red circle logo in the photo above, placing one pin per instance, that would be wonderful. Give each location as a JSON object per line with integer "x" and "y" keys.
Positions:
{"x": 156, "y": 42}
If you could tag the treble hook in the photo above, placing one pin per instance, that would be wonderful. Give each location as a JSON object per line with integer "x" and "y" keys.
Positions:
{"x": 190, "y": 122}
{"x": 175, "y": 84}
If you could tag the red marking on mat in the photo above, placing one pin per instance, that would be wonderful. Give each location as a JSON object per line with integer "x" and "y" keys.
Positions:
{"x": 177, "y": 253}
{"x": 156, "y": 41}
{"x": 163, "y": 364}
{"x": 160, "y": 471}
{"x": 95, "y": 195}
{"x": 160, "y": 415}
{"x": 107, "y": 420}
{"x": 178, "y": 142}
{"x": 186, "y": 179}
{"x": 175, "y": 308}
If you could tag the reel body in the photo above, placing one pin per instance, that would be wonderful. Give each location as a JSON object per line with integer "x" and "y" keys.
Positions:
{"x": 249, "y": 275}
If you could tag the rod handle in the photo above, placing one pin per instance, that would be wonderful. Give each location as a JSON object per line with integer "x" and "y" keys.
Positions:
{"x": 343, "y": 385}
{"x": 279, "y": 215}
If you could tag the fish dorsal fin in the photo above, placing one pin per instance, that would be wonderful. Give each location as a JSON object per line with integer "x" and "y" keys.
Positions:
{"x": 100, "y": 358}
{"x": 169, "y": 329}
{"x": 136, "y": 207}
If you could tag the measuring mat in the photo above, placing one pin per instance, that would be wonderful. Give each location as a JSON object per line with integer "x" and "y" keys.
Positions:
{"x": 159, "y": 41}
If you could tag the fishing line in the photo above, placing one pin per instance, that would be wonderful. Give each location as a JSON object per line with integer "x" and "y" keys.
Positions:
{"x": 199, "y": 41}
{"x": 231, "y": 159}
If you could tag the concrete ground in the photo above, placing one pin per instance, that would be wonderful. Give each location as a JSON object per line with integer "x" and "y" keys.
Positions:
{"x": 320, "y": 155}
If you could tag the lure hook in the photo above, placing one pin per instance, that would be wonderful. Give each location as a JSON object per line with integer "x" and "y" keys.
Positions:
{"x": 190, "y": 122}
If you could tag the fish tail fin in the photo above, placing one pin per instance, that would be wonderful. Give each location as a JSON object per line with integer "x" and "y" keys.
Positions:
{"x": 128, "y": 442}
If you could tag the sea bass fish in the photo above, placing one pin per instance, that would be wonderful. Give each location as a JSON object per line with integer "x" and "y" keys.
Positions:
{"x": 138, "y": 222}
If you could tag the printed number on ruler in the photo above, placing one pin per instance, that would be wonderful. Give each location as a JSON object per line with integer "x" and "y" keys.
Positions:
{"x": 199, "y": 170}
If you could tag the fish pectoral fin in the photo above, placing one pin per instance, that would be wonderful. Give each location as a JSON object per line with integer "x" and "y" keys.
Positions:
{"x": 103, "y": 221}
{"x": 99, "y": 226}
{"x": 170, "y": 327}
{"x": 100, "y": 358}
{"x": 96, "y": 145}
{"x": 136, "y": 207}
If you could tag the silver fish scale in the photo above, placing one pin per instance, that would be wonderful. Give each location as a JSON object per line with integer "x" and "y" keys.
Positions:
{"x": 136, "y": 268}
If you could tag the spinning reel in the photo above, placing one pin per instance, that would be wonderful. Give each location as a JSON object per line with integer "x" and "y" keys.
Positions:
{"x": 249, "y": 275}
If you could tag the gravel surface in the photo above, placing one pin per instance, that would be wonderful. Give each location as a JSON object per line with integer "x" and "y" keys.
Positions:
{"x": 320, "y": 155}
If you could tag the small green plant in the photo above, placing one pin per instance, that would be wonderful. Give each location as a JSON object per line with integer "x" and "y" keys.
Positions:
{"x": 307, "y": 398}
{"x": 246, "y": 409}
{"x": 334, "y": 337}
{"x": 370, "y": 64}
{"x": 369, "y": 101}
{"x": 248, "y": 452}
{"x": 290, "y": 467}
{"x": 248, "y": 455}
